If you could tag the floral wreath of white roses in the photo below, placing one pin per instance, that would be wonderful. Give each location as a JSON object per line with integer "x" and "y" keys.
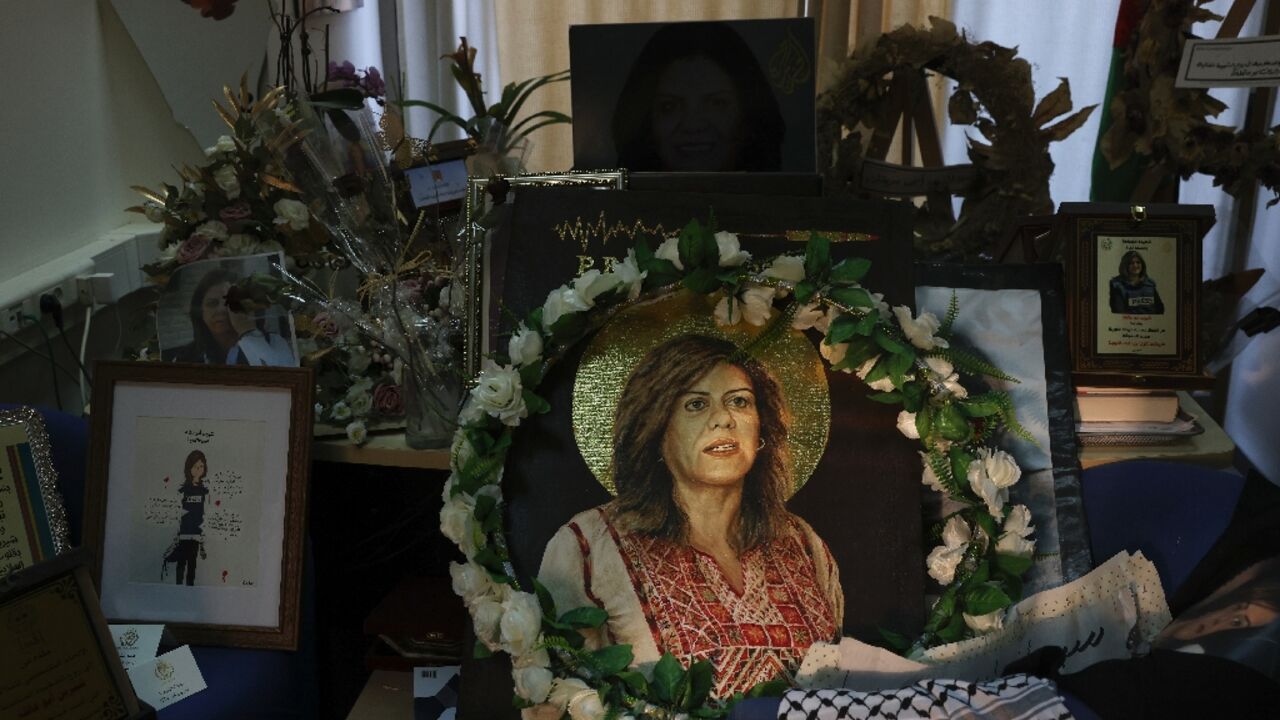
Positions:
{"x": 985, "y": 547}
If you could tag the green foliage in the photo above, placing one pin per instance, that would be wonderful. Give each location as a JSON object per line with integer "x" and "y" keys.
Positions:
{"x": 953, "y": 311}
{"x": 971, "y": 364}
{"x": 849, "y": 271}
{"x": 985, "y": 598}
{"x": 952, "y": 424}
{"x": 817, "y": 259}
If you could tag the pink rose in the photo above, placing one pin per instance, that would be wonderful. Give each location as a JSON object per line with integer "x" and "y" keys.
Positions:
{"x": 326, "y": 324}
{"x": 387, "y": 400}
{"x": 193, "y": 248}
{"x": 235, "y": 212}
{"x": 411, "y": 289}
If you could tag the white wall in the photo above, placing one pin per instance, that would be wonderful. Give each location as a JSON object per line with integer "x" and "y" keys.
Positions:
{"x": 81, "y": 121}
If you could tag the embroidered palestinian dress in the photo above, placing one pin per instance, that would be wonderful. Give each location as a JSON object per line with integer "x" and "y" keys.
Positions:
{"x": 663, "y": 596}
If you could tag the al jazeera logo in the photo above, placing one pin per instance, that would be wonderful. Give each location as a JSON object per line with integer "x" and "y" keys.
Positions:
{"x": 164, "y": 671}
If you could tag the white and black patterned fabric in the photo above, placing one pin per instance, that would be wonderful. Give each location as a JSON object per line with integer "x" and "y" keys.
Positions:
{"x": 1017, "y": 697}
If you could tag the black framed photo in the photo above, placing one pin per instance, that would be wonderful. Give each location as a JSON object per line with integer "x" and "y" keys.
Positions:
{"x": 1134, "y": 275}
{"x": 695, "y": 96}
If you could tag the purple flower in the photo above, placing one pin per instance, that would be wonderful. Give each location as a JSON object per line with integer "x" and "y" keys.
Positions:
{"x": 388, "y": 400}
{"x": 374, "y": 86}
{"x": 235, "y": 212}
{"x": 345, "y": 72}
{"x": 193, "y": 248}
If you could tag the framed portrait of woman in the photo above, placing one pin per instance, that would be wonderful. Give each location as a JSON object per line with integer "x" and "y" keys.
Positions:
{"x": 196, "y": 498}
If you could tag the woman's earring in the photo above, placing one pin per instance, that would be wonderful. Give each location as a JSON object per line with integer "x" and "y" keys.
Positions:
{"x": 761, "y": 444}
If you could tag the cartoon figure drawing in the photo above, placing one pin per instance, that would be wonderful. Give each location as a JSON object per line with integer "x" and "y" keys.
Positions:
{"x": 189, "y": 540}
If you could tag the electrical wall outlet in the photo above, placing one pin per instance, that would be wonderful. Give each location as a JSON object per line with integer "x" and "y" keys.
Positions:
{"x": 11, "y": 318}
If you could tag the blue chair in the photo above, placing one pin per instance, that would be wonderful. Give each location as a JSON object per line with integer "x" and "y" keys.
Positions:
{"x": 242, "y": 683}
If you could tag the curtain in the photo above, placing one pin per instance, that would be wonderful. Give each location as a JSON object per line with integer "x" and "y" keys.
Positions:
{"x": 426, "y": 30}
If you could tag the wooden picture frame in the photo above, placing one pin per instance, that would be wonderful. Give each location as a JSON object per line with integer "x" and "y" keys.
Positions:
{"x": 58, "y": 654}
{"x": 216, "y": 458}
{"x": 1133, "y": 275}
{"x": 33, "y": 521}
{"x": 487, "y": 203}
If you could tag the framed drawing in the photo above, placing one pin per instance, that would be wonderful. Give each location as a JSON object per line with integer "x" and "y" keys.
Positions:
{"x": 1134, "y": 273}
{"x": 33, "y": 522}
{"x": 59, "y": 660}
{"x": 196, "y": 498}
{"x": 487, "y": 207}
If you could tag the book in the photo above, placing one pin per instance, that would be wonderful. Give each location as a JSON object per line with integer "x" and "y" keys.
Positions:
{"x": 1125, "y": 405}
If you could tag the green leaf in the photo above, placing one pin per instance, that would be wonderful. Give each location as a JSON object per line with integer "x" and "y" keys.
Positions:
{"x": 612, "y": 659}
{"x": 851, "y": 297}
{"x": 890, "y": 343}
{"x": 896, "y": 642}
{"x": 667, "y": 677}
{"x": 480, "y": 652}
{"x": 924, "y": 421}
{"x": 952, "y": 423}
{"x": 987, "y": 523}
{"x": 981, "y": 573}
{"x": 898, "y": 365}
{"x": 805, "y": 291}
{"x": 585, "y": 617}
{"x": 979, "y": 406}
{"x": 867, "y": 323}
{"x": 1013, "y": 564}
{"x": 942, "y": 610}
{"x": 850, "y": 270}
{"x": 544, "y": 599}
{"x": 702, "y": 281}
{"x": 531, "y": 375}
{"x": 769, "y": 688}
{"x": 701, "y": 679}
{"x": 985, "y": 598}
{"x": 842, "y": 328}
{"x": 953, "y": 629}
{"x": 338, "y": 99}
{"x": 888, "y": 398}
{"x": 860, "y": 350}
{"x": 485, "y": 505}
{"x": 1012, "y": 585}
{"x": 817, "y": 259}
{"x": 568, "y": 326}
{"x": 536, "y": 404}
{"x": 698, "y": 248}
{"x": 960, "y": 460}
{"x": 635, "y": 682}
{"x": 913, "y": 396}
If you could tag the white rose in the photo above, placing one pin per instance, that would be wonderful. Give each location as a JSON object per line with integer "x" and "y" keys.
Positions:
{"x": 586, "y": 706}
{"x": 360, "y": 403}
{"x": 928, "y": 477}
{"x": 627, "y": 274}
{"x": 521, "y": 623}
{"x": 592, "y": 283}
{"x": 240, "y": 244}
{"x": 471, "y": 414}
{"x": 990, "y": 475}
{"x": 1014, "y": 538}
{"x": 227, "y": 181}
{"x": 486, "y": 615}
{"x": 956, "y": 532}
{"x": 224, "y": 145}
{"x": 808, "y": 316}
{"x": 340, "y": 411}
{"x": 561, "y": 302}
{"x": 292, "y": 213}
{"x": 499, "y": 393}
{"x": 533, "y": 683}
{"x": 731, "y": 252}
{"x": 213, "y": 230}
{"x": 942, "y": 563}
{"x": 920, "y": 331}
{"x": 169, "y": 252}
{"x": 983, "y": 624}
{"x": 154, "y": 212}
{"x": 786, "y": 267}
{"x": 884, "y": 384}
{"x": 525, "y": 347}
{"x": 882, "y": 307}
{"x": 357, "y": 433}
{"x": 358, "y": 359}
{"x": 755, "y": 306}
{"x": 565, "y": 689}
{"x": 834, "y": 354}
{"x": 537, "y": 658}
{"x": 458, "y": 522}
{"x": 907, "y": 425}
{"x": 470, "y": 582}
{"x": 670, "y": 250}
{"x": 941, "y": 371}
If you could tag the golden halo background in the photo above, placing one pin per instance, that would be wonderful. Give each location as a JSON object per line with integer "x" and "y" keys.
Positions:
{"x": 623, "y": 341}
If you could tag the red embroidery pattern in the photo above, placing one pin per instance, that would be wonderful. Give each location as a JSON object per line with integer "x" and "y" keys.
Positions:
{"x": 695, "y": 614}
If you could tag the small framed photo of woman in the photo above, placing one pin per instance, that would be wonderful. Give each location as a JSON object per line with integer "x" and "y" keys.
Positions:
{"x": 196, "y": 498}
{"x": 1134, "y": 281}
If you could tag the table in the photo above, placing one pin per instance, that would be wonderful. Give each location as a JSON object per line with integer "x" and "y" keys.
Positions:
{"x": 385, "y": 448}
{"x": 1211, "y": 448}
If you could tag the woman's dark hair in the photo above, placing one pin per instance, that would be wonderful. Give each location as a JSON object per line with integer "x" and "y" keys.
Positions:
{"x": 1124, "y": 264}
{"x": 763, "y": 127}
{"x": 205, "y": 344}
{"x": 646, "y": 499}
{"x": 194, "y": 457}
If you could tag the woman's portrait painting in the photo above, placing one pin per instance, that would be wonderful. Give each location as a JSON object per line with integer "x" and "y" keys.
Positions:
{"x": 697, "y": 438}
{"x": 197, "y": 498}
{"x": 1134, "y": 274}
{"x": 198, "y": 320}
{"x": 694, "y": 97}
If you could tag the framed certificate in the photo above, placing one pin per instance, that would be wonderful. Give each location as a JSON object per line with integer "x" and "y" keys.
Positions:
{"x": 33, "y": 523}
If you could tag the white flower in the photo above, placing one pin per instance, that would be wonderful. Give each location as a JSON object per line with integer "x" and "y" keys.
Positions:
{"x": 458, "y": 522}
{"x": 357, "y": 433}
{"x": 990, "y": 475}
{"x": 471, "y": 414}
{"x": 227, "y": 181}
{"x": 239, "y": 244}
{"x": 292, "y": 213}
{"x": 983, "y": 624}
{"x": 521, "y": 623}
{"x": 944, "y": 559}
{"x": 592, "y": 283}
{"x": 574, "y": 695}
{"x": 154, "y": 212}
{"x": 525, "y": 347}
{"x": 499, "y": 393}
{"x": 470, "y": 582}
{"x": 340, "y": 411}
{"x": 670, "y": 250}
{"x": 731, "y": 252}
{"x": 755, "y": 306}
{"x": 928, "y": 477}
{"x": 941, "y": 371}
{"x": 560, "y": 302}
{"x": 882, "y": 307}
{"x": 786, "y": 267}
{"x": 533, "y": 683}
{"x": 486, "y": 615}
{"x": 224, "y": 145}
{"x": 358, "y": 359}
{"x": 213, "y": 230}
{"x": 907, "y": 425}
{"x": 627, "y": 274}
{"x": 169, "y": 252}
{"x": 920, "y": 331}
{"x": 884, "y": 384}
{"x": 1014, "y": 538}
{"x": 360, "y": 403}
{"x": 808, "y": 316}
{"x": 834, "y": 354}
